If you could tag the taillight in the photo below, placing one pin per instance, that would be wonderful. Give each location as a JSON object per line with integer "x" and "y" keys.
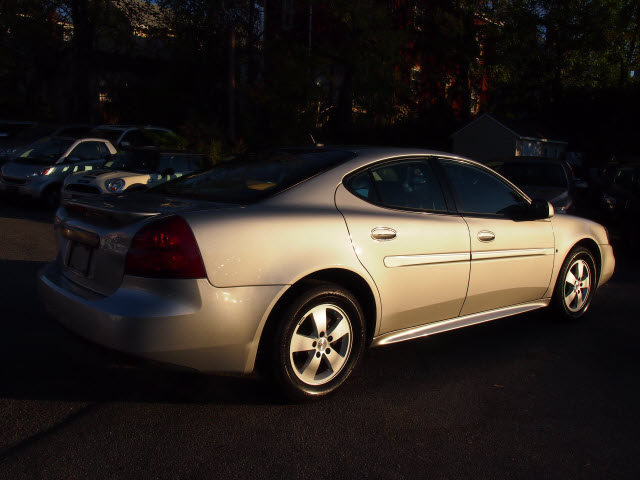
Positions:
{"x": 165, "y": 249}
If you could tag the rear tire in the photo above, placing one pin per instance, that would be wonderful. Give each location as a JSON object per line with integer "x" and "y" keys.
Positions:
{"x": 318, "y": 341}
{"x": 576, "y": 284}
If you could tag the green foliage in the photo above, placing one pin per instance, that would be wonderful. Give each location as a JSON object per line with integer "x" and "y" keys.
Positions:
{"x": 368, "y": 71}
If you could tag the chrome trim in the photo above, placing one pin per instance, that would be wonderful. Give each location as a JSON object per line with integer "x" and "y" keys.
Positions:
{"x": 494, "y": 254}
{"x": 383, "y": 233}
{"x": 486, "y": 236}
{"x": 408, "y": 260}
{"x": 455, "y": 323}
{"x": 81, "y": 236}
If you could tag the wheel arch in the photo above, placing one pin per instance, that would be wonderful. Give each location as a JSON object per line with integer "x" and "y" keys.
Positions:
{"x": 592, "y": 246}
{"x": 344, "y": 278}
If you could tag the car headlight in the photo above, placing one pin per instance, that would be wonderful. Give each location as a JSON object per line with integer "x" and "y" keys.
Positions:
{"x": 46, "y": 171}
{"x": 114, "y": 185}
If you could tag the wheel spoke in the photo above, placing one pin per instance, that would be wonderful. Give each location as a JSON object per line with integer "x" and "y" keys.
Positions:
{"x": 319, "y": 315}
{"x": 336, "y": 360}
{"x": 340, "y": 330}
{"x": 580, "y": 270}
{"x": 571, "y": 278}
{"x": 569, "y": 298}
{"x": 310, "y": 368}
{"x": 302, "y": 343}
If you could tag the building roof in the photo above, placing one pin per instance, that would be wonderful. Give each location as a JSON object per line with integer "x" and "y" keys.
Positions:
{"x": 525, "y": 129}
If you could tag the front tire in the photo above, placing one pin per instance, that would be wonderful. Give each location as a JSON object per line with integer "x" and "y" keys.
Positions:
{"x": 576, "y": 284}
{"x": 318, "y": 342}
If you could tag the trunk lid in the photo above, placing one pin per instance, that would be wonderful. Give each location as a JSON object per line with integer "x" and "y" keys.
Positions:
{"x": 94, "y": 234}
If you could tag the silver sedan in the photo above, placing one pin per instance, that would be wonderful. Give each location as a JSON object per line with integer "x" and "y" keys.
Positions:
{"x": 295, "y": 260}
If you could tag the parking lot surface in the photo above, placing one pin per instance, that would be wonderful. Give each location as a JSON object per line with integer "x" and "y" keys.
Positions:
{"x": 522, "y": 397}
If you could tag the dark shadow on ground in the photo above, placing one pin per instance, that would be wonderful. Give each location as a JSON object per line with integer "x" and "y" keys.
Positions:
{"x": 24, "y": 208}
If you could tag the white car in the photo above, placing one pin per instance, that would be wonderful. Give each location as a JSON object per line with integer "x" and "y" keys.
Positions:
{"x": 133, "y": 170}
{"x": 294, "y": 260}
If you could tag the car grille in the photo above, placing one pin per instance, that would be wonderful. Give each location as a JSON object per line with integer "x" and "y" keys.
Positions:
{"x": 88, "y": 189}
{"x": 13, "y": 181}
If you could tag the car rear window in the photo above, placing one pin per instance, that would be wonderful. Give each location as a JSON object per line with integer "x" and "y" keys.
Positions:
{"x": 251, "y": 178}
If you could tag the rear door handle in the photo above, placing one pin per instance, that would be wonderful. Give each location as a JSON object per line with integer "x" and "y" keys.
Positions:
{"x": 383, "y": 233}
{"x": 486, "y": 236}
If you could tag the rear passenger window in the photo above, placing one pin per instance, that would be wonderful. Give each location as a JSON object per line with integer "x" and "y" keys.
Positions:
{"x": 410, "y": 185}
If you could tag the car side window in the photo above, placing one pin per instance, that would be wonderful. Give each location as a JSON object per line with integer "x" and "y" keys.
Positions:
{"x": 104, "y": 151}
{"x": 134, "y": 138}
{"x": 409, "y": 184}
{"x": 86, "y": 151}
{"x": 482, "y": 193}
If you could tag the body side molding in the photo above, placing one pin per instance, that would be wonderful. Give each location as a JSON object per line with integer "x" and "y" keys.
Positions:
{"x": 454, "y": 323}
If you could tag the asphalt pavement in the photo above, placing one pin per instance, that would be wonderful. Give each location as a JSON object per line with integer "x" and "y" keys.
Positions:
{"x": 523, "y": 397}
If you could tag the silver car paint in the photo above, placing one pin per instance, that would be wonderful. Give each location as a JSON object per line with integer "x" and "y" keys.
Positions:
{"x": 253, "y": 254}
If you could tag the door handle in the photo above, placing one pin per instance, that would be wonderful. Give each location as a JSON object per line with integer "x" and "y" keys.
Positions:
{"x": 383, "y": 233}
{"x": 486, "y": 236}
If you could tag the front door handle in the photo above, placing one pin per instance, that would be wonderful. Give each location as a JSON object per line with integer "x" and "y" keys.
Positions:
{"x": 383, "y": 233}
{"x": 486, "y": 236}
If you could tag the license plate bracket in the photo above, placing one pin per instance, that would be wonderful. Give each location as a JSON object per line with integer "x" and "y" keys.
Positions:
{"x": 80, "y": 258}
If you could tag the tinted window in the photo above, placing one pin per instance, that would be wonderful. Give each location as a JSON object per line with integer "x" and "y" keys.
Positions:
{"x": 180, "y": 163}
{"x": 107, "y": 134}
{"x": 134, "y": 161}
{"x": 46, "y": 150}
{"x": 479, "y": 191}
{"x": 251, "y": 178}
{"x": 104, "y": 151}
{"x": 86, "y": 151}
{"x": 405, "y": 184}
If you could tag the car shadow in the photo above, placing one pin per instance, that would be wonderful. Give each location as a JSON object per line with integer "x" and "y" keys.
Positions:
{"x": 25, "y": 208}
{"x": 41, "y": 360}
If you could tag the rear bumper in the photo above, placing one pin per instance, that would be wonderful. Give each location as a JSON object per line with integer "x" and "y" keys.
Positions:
{"x": 187, "y": 323}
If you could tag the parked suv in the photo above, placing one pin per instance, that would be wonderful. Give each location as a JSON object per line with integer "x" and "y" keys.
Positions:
{"x": 133, "y": 170}
{"x": 40, "y": 170}
{"x": 131, "y": 136}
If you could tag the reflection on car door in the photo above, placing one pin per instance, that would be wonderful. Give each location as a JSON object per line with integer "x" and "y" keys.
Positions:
{"x": 416, "y": 252}
{"x": 511, "y": 258}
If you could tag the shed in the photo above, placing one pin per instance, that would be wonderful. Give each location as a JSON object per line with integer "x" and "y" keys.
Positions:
{"x": 488, "y": 138}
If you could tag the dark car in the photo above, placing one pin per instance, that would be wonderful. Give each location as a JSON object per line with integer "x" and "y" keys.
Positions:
{"x": 16, "y": 137}
{"x": 544, "y": 178}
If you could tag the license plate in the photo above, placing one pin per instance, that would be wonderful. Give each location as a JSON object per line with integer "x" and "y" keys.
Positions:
{"x": 11, "y": 189}
{"x": 79, "y": 258}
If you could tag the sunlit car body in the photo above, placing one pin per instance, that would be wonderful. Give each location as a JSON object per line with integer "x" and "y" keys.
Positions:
{"x": 40, "y": 170}
{"x": 299, "y": 259}
{"x": 133, "y": 170}
{"x": 543, "y": 178}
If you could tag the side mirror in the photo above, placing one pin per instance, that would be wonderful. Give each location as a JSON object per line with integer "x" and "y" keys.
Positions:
{"x": 579, "y": 183}
{"x": 540, "y": 209}
{"x": 125, "y": 144}
{"x": 168, "y": 171}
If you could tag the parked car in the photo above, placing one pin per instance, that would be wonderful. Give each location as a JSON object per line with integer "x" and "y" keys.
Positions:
{"x": 296, "y": 260}
{"x": 543, "y": 178}
{"x": 133, "y": 170}
{"x": 40, "y": 170}
{"x": 17, "y": 139}
{"x": 131, "y": 136}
